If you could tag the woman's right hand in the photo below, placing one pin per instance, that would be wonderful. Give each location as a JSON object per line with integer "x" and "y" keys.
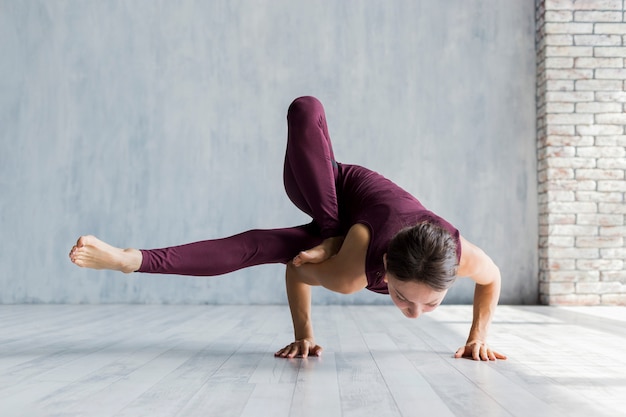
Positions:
{"x": 325, "y": 250}
{"x": 301, "y": 348}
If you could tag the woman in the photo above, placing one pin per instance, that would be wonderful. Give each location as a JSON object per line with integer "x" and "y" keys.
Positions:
{"x": 366, "y": 233}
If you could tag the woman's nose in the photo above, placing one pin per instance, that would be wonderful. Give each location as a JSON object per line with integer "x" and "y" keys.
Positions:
{"x": 409, "y": 309}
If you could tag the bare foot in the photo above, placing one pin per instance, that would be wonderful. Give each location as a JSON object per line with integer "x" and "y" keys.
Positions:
{"x": 91, "y": 252}
{"x": 328, "y": 248}
{"x": 312, "y": 256}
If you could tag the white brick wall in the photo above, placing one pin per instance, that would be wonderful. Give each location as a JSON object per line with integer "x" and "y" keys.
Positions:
{"x": 581, "y": 150}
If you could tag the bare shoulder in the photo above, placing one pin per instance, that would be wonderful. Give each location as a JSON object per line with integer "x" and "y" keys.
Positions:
{"x": 475, "y": 263}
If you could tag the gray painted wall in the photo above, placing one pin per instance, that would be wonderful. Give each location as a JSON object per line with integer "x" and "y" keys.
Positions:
{"x": 152, "y": 123}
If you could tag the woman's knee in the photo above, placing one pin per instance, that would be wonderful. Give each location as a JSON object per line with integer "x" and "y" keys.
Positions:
{"x": 305, "y": 107}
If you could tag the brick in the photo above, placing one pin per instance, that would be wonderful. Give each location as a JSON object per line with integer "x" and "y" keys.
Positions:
{"x": 598, "y": 107}
{"x": 568, "y": 74}
{"x": 598, "y": 62}
{"x": 599, "y": 242}
{"x": 571, "y": 300}
{"x": 570, "y": 96}
{"x": 573, "y": 28}
{"x": 612, "y": 207}
{"x": 599, "y": 264}
{"x": 557, "y": 196}
{"x": 584, "y": 219}
{"x": 559, "y": 85}
{"x": 610, "y": 52}
{"x": 555, "y": 288}
{"x": 576, "y": 185}
{"x": 600, "y": 151}
{"x": 611, "y": 118}
{"x": 569, "y": 51}
{"x": 596, "y": 85}
{"x": 572, "y": 207}
{"x": 557, "y": 264}
{"x": 573, "y": 253}
{"x": 559, "y": 174}
{"x": 597, "y": 197}
{"x": 573, "y": 276}
{"x": 560, "y": 107}
{"x": 614, "y": 96}
{"x": 571, "y": 162}
{"x": 613, "y": 299}
{"x": 611, "y": 74}
{"x": 552, "y": 218}
{"x": 559, "y": 16}
{"x": 583, "y": 5}
{"x": 612, "y": 163}
{"x": 558, "y": 151}
{"x": 560, "y": 130}
{"x": 612, "y": 231}
{"x": 558, "y": 40}
{"x": 572, "y": 230}
{"x": 597, "y": 40}
{"x": 570, "y": 119}
{"x": 559, "y": 62}
{"x": 557, "y": 242}
{"x": 618, "y": 185}
{"x": 613, "y": 253}
{"x": 598, "y": 287}
{"x": 595, "y": 130}
{"x": 605, "y": 28}
{"x": 599, "y": 174}
{"x": 567, "y": 140}
{"x": 617, "y": 140}
{"x": 614, "y": 276}
{"x": 587, "y": 16}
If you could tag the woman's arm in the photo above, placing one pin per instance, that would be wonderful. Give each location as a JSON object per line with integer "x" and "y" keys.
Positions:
{"x": 343, "y": 272}
{"x": 477, "y": 265}
{"x": 299, "y": 298}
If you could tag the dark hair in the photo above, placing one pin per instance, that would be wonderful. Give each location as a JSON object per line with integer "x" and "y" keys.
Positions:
{"x": 424, "y": 253}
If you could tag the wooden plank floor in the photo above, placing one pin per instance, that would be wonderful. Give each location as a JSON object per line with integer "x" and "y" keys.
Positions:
{"x": 138, "y": 360}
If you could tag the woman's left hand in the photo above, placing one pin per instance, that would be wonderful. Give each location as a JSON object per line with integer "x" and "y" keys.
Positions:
{"x": 479, "y": 351}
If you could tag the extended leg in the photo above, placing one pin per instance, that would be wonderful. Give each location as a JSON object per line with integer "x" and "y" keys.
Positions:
{"x": 205, "y": 258}
{"x": 220, "y": 256}
{"x": 310, "y": 167}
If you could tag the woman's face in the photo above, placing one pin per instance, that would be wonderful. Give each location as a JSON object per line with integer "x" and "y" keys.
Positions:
{"x": 413, "y": 298}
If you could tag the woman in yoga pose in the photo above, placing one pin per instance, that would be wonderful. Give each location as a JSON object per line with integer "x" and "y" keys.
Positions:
{"x": 366, "y": 233}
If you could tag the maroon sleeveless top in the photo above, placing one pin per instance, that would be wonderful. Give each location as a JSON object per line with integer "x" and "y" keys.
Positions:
{"x": 368, "y": 198}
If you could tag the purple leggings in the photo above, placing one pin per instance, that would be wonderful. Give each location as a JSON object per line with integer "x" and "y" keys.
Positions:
{"x": 310, "y": 174}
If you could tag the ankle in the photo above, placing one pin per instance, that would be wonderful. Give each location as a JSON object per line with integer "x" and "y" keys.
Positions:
{"x": 131, "y": 260}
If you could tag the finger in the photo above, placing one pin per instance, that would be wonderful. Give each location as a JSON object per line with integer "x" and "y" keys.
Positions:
{"x": 304, "y": 349}
{"x": 460, "y": 352}
{"x": 499, "y": 356}
{"x": 476, "y": 352}
{"x": 484, "y": 355}
{"x": 281, "y": 352}
{"x": 317, "y": 350}
{"x": 293, "y": 351}
{"x": 491, "y": 354}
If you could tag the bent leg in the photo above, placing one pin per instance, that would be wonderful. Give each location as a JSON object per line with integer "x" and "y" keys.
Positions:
{"x": 310, "y": 168}
{"x": 221, "y": 256}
